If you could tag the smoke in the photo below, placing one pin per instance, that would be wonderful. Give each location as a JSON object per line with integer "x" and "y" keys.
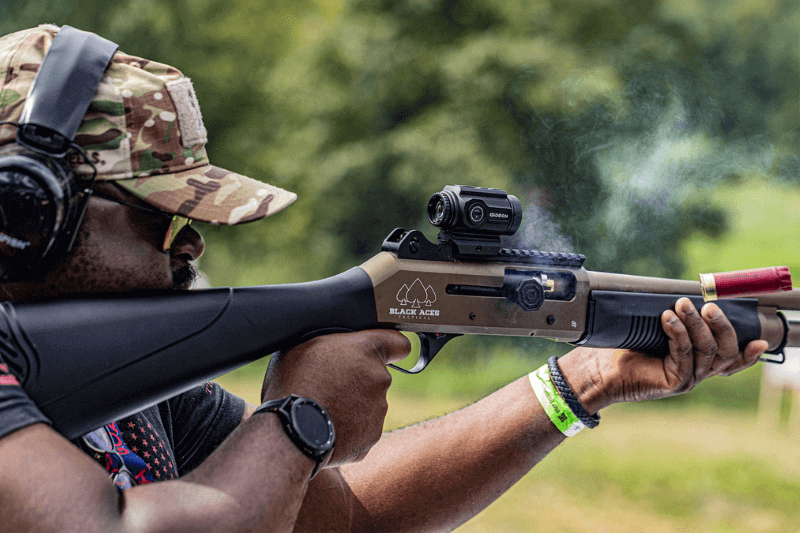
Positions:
{"x": 654, "y": 173}
{"x": 540, "y": 232}
{"x": 624, "y": 182}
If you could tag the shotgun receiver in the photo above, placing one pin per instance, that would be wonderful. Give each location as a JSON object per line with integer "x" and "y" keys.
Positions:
{"x": 89, "y": 362}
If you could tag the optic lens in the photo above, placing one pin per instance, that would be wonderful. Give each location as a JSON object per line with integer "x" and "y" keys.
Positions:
{"x": 439, "y": 210}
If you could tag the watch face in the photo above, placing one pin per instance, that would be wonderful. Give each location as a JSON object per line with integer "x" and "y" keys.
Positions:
{"x": 311, "y": 425}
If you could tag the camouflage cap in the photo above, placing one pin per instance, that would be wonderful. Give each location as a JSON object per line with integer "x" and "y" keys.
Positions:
{"x": 143, "y": 131}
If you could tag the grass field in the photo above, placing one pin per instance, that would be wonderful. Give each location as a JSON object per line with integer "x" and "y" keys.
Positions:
{"x": 701, "y": 462}
{"x": 648, "y": 471}
{"x": 644, "y": 469}
{"x": 765, "y": 231}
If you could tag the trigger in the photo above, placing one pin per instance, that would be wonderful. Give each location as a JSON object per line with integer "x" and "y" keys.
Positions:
{"x": 429, "y": 346}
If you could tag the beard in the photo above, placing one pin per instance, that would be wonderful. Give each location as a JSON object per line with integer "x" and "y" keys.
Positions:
{"x": 184, "y": 277}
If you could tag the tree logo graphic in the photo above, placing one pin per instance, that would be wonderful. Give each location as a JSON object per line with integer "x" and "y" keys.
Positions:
{"x": 417, "y": 295}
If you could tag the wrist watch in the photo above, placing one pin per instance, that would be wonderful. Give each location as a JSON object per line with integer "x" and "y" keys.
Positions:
{"x": 307, "y": 424}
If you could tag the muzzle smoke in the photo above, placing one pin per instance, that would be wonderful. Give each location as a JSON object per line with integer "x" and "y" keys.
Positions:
{"x": 619, "y": 183}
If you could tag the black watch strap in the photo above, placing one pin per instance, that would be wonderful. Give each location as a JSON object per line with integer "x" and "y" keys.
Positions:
{"x": 306, "y": 424}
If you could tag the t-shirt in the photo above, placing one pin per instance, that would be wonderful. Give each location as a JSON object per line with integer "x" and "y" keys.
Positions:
{"x": 17, "y": 410}
{"x": 172, "y": 438}
{"x": 161, "y": 442}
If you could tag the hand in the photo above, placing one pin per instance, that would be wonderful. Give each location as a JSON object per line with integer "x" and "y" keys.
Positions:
{"x": 701, "y": 345}
{"x": 347, "y": 375}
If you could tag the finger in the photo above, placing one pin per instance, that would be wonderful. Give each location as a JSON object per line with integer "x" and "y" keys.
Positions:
{"x": 703, "y": 343}
{"x": 749, "y": 357}
{"x": 391, "y": 346}
{"x": 679, "y": 364}
{"x": 724, "y": 336}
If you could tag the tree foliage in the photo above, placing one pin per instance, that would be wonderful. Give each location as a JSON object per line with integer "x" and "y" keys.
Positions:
{"x": 610, "y": 119}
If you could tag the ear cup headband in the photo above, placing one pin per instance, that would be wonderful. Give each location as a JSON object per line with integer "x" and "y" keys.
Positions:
{"x": 42, "y": 200}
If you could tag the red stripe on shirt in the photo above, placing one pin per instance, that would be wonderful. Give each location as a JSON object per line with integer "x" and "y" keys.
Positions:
{"x": 8, "y": 380}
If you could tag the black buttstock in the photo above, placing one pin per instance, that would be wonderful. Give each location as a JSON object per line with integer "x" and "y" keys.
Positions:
{"x": 633, "y": 320}
{"x": 89, "y": 362}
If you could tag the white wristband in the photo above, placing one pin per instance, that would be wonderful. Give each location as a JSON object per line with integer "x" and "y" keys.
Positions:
{"x": 553, "y": 404}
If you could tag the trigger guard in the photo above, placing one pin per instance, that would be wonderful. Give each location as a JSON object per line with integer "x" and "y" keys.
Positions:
{"x": 429, "y": 346}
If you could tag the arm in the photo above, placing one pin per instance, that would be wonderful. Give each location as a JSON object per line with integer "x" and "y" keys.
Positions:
{"x": 437, "y": 475}
{"x": 255, "y": 481}
{"x": 74, "y": 493}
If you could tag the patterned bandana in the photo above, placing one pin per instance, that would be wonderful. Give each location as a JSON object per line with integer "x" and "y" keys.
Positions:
{"x": 143, "y": 130}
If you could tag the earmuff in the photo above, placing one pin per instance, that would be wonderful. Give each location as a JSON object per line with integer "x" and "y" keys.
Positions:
{"x": 42, "y": 198}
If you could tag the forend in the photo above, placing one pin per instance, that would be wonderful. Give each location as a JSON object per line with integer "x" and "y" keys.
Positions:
{"x": 472, "y": 222}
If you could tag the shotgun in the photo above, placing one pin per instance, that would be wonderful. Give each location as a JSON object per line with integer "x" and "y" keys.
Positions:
{"x": 88, "y": 362}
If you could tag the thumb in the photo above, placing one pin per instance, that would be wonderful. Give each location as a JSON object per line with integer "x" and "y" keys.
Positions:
{"x": 391, "y": 346}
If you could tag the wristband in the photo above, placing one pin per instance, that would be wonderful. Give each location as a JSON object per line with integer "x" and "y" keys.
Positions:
{"x": 553, "y": 404}
{"x": 574, "y": 404}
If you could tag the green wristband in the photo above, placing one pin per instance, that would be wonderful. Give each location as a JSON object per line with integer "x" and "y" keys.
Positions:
{"x": 553, "y": 404}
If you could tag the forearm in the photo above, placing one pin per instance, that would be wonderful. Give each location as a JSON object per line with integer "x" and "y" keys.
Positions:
{"x": 255, "y": 481}
{"x": 437, "y": 475}
{"x": 246, "y": 485}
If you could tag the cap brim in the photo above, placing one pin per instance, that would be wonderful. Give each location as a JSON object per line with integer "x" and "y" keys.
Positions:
{"x": 210, "y": 194}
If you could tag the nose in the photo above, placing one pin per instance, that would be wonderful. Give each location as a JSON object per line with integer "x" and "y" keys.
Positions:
{"x": 188, "y": 245}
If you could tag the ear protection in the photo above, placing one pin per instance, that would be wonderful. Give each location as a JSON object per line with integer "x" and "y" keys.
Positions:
{"x": 42, "y": 199}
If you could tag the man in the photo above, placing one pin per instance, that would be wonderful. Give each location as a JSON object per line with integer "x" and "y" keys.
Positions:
{"x": 204, "y": 460}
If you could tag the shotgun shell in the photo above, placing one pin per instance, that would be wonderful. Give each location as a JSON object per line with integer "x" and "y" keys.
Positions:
{"x": 745, "y": 282}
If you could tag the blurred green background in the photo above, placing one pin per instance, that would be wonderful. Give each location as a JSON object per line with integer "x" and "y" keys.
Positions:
{"x": 657, "y": 138}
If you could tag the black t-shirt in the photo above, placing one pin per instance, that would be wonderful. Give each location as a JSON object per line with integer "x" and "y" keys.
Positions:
{"x": 17, "y": 410}
{"x": 161, "y": 442}
{"x": 171, "y": 439}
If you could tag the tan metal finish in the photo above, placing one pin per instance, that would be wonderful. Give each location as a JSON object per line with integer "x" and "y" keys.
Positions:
{"x": 793, "y": 336}
{"x": 772, "y": 329}
{"x": 430, "y": 309}
{"x": 436, "y": 311}
{"x": 607, "y": 281}
{"x": 781, "y": 300}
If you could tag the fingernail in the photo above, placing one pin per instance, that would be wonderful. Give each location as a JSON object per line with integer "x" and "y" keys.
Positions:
{"x": 760, "y": 351}
{"x": 688, "y": 308}
{"x": 671, "y": 318}
{"x": 713, "y": 312}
